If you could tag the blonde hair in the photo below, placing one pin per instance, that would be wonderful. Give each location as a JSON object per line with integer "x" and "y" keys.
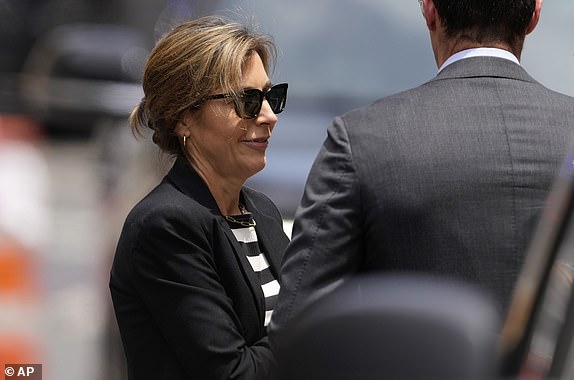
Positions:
{"x": 189, "y": 63}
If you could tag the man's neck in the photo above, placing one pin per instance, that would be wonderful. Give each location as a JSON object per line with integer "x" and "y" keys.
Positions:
{"x": 445, "y": 46}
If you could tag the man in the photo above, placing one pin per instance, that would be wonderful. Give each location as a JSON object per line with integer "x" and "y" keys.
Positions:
{"x": 448, "y": 178}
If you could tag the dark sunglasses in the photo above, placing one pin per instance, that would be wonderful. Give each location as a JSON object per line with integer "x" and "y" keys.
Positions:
{"x": 248, "y": 103}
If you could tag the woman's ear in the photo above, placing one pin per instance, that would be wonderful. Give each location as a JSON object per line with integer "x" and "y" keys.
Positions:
{"x": 184, "y": 124}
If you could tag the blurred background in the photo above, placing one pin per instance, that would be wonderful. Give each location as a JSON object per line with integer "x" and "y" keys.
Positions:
{"x": 70, "y": 169}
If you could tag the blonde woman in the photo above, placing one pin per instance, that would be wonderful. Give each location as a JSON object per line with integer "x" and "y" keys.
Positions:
{"x": 194, "y": 278}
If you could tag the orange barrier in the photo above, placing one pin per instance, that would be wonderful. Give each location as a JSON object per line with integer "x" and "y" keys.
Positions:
{"x": 17, "y": 275}
{"x": 19, "y": 340}
{"x": 17, "y": 350}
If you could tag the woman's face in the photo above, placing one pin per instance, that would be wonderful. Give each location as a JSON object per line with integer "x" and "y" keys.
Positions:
{"x": 220, "y": 143}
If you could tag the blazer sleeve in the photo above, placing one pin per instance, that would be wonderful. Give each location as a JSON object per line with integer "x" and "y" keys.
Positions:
{"x": 326, "y": 241}
{"x": 173, "y": 266}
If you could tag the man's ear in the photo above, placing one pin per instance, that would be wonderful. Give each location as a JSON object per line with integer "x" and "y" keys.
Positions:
{"x": 430, "y": 15}
{"x": 535, "y": 17}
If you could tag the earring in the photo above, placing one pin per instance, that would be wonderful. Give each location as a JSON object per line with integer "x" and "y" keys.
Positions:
{"x": 184, "y": 140}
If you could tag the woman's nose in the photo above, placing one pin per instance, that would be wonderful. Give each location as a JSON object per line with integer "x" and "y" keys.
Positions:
{"x": 267, "y": 113}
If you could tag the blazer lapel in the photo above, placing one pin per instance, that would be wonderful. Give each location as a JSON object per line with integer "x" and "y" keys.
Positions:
{"x": 191, "y": 184}
{"x": 246, "y": 269}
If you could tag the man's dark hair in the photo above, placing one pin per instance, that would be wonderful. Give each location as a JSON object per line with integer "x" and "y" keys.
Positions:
{"x": 486, "y": 20}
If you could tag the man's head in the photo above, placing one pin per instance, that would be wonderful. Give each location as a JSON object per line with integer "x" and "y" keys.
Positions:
{"x": 489, "y": 23}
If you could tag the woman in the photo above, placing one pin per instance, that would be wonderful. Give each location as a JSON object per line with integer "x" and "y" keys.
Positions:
{"x": 194, "y": 275}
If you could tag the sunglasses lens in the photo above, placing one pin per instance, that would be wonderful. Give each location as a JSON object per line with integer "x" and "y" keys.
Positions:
{"x": 277, "y": 97}
{"x": 251, "y": 103}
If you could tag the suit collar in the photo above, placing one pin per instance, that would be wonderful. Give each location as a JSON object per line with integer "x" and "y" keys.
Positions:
{"x": 479, "y": 52}
{"x": 484, "y": 67}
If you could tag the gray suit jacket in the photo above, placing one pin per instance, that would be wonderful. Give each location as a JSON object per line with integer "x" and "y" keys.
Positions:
{"x": 447, "y": 178}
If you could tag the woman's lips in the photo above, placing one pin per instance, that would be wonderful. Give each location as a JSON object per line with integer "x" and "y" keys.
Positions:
{"x": 258, "y": 143}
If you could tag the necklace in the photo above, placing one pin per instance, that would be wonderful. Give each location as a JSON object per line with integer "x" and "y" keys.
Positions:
{"x": 243, "y": 223}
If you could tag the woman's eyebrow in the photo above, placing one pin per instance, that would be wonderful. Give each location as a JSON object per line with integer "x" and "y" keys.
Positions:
{"x": 266, "y": 86}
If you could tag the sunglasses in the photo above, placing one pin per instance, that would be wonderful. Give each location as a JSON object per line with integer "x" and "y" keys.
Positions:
{"x": 248, "y": 103}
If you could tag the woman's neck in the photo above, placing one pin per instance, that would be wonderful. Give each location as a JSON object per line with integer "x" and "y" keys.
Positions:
{"x": 224, "y": 189}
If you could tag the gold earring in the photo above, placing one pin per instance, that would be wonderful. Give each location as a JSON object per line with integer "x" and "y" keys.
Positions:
{"x": 184, "y": 140}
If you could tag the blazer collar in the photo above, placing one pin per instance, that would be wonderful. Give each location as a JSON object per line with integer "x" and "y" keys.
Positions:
{"x": 484, "y": 67}
{"x": 186, "y": 180}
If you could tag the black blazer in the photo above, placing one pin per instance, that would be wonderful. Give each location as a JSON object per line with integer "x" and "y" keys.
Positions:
{"x": 186, "y": 300}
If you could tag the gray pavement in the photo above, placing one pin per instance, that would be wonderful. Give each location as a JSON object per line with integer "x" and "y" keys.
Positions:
{"x": 73, "y": 273}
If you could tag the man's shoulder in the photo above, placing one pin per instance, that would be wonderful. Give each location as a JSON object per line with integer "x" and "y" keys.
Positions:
{"x": 448, "y": 86}
{"x": 567, "y": 100}
{"x": 392, "y": 102}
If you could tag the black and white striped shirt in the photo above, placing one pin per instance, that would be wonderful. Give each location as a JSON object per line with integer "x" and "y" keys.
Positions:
{"x": 243, "y": 228}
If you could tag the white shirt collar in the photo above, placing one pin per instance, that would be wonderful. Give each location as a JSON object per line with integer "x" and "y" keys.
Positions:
{"x": 480, "y": 52}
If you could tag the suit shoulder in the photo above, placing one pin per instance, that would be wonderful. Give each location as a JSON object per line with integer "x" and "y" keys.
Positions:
{"x": 558, "y": 96}
{"x": 392, "y": 101}
{"x": 392, "y": 108}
